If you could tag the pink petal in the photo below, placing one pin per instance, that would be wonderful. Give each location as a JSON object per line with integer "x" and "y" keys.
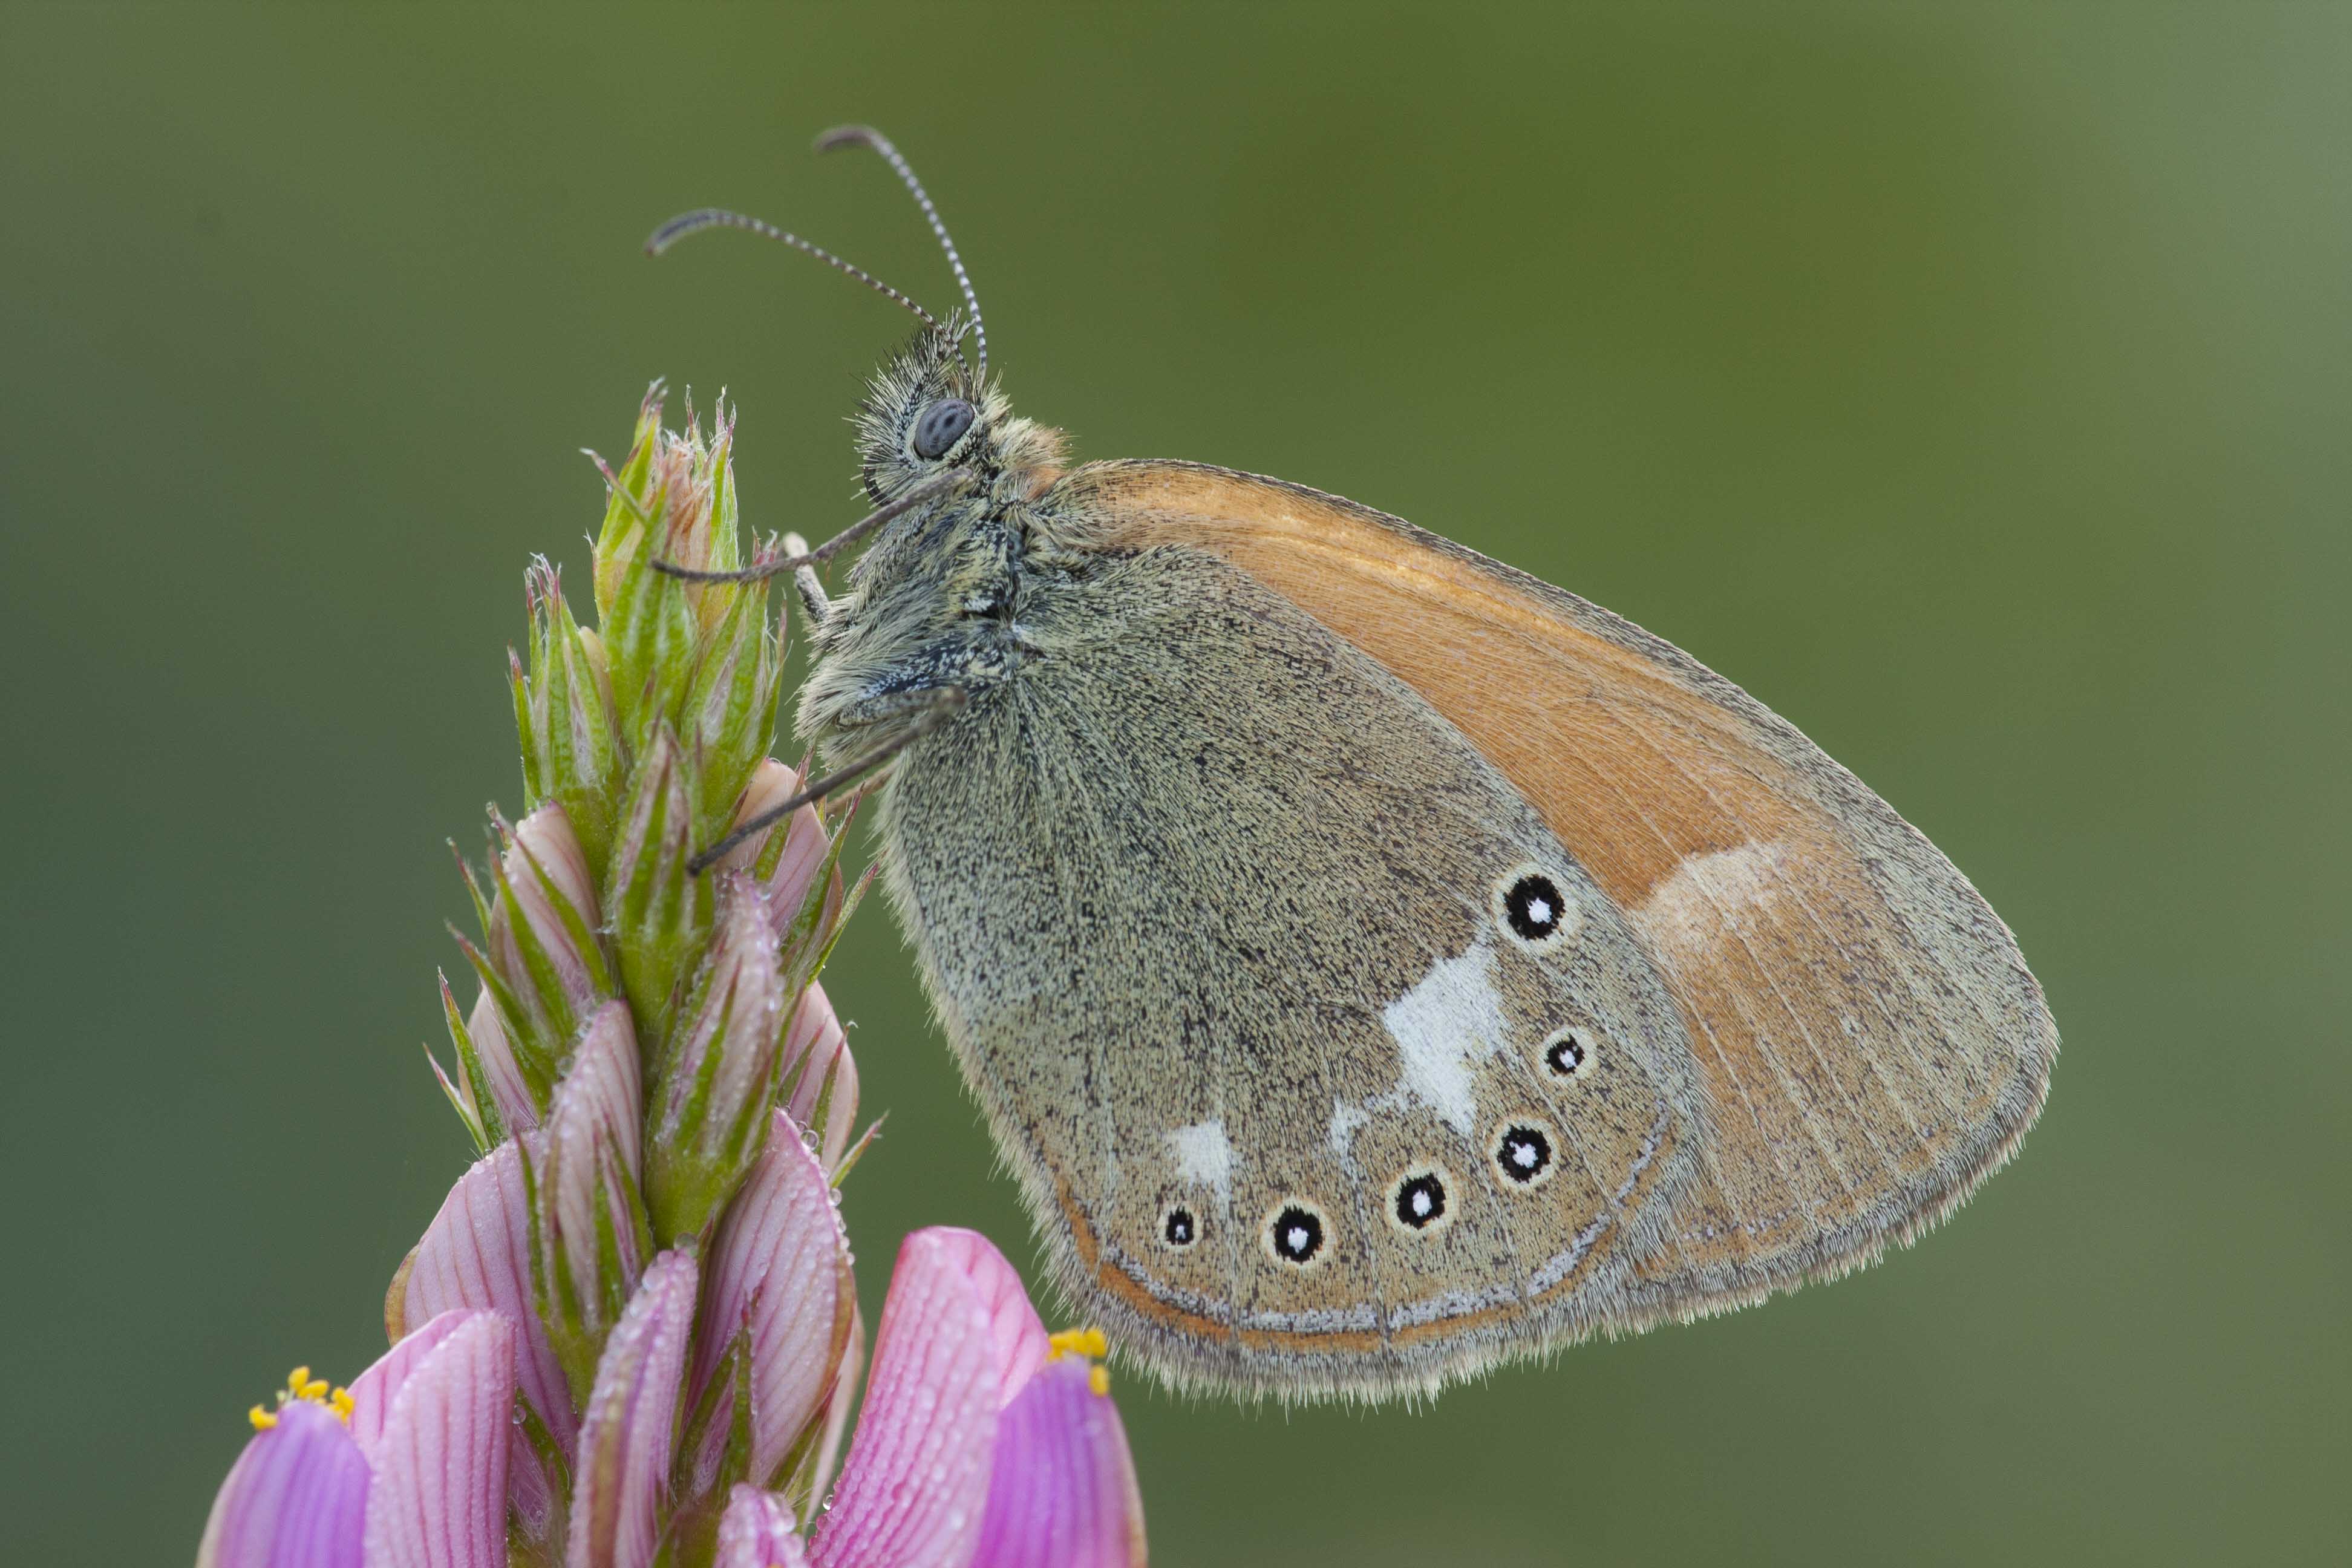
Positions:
{"x": 297, "y": 1498}
{"x": 757, "y": 1531}
{"x": 625, "y": 1439}
{"x": 440, "y": 1494}
{"x": 507, "y": 1088}
{"x": 781, "y": 1265}
{"x": 374, "y": 1390}
{"x": 476, "y": 1253}
{"x": 772, "y": 784}
{"x": 1020, "y": 1339}
{"x": 805, "y": 840}
{"x": 917, "y": 1475}
{"x": 1061, "y": 1492}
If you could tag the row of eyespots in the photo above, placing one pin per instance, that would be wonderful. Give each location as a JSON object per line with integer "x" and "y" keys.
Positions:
{"x": 1421, "y": 1201}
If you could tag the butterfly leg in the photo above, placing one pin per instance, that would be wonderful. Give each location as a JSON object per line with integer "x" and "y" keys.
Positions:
{"x": 926, "y": 711}
{"x": 805, "y": 583}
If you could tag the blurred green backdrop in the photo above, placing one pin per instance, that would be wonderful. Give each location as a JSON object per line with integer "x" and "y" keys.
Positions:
{"x": 1970, "y": 384}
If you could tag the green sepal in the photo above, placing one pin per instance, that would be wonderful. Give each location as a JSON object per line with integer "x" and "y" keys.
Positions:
{"x": 731, "y": 1386}
{"x": 856, "y": 1152}
{"x": 459, "y": 1098}
{"x": 806, "y": 951}
{"x": 480, "y": 1111}
{"x": 535, "y": 1056}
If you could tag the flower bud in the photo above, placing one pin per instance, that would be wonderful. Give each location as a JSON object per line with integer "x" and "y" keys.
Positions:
{"x": 819, "y": 1076}
{"x": 588, "y": 1240}
{"x": 731, "y": 702}
{"x": 628, "y": 1429}
{"x": 673, "y": 500}
{"x": 659, "y": 913}
{"x": 542, "y": 932}
{"x": 563, "y": 712}
{"x": 718, "y": 1072}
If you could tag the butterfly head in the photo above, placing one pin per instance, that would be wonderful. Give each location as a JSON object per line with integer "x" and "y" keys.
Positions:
{"x": 929, "y": 411}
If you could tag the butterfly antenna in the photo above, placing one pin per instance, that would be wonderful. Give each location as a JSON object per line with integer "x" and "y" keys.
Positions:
{"x": 678, "y": 228}
{"x": 866, "y": 136}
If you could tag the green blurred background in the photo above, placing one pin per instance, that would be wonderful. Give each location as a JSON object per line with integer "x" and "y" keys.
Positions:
{"x": 1972, "y": 384}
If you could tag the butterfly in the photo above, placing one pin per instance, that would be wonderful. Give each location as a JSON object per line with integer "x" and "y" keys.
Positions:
{"x": 1374, "y": 963}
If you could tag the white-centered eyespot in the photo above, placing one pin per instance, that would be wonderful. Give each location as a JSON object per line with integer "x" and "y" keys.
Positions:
{"x": 1421, "y": 1200}
{"x": 1533, "y": 911}
{"x": 1569, "y": 1053}
{"x": 1179, "y": 1228}
{"x": 1523, "y": 1152}
{"x": 1294, "y": 1234}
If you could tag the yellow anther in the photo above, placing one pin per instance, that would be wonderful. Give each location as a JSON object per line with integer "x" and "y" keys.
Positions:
{"x": 313, "y": 1392}
{"x": 1079, "y": 1342}
{"x": 295, "y": 1379}
{"x": 262, "y": 1419}
{"x": 1099, "y": 1378}
{"x": 341, "y": 1401}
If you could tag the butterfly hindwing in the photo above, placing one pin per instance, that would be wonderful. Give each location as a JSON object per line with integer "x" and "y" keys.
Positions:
{"x": 1254, "y": 962}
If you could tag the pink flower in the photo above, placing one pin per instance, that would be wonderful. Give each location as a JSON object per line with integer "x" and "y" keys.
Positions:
{"x": 406, "y": 1467}
{"x": 984, "y": 1443}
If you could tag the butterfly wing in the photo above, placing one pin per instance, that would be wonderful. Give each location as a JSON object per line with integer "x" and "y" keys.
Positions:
{"x": 1219, "y": 915}
{"x": 1866, "y": 1041}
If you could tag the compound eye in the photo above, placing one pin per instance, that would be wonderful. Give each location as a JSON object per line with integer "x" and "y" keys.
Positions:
{"x": 942, "y": 425}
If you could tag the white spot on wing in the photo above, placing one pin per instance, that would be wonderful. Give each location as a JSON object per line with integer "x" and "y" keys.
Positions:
{"x": 1711, "y": 898}
{"x": 1204, "y": 1155}
{"x": 1451, "y": 1018}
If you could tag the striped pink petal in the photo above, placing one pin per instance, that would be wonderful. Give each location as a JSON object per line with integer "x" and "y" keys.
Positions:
{"x": 626, "y": 1438}
{"x": 440, "y": 1495}
{"x": 592, "y": 1171}
{"x": 837, "y": 1408}
{"x": 917, "y": 1476}
{"x": 817, "y": 1064}
{"x": 781, "y": 1269}
{"x": 772, "y": 784}
{"x": 374, "y": 1390}
{"x": 1020, "y": 1339}
{"x": 757, "y": 1531}
{"x": 507, "y": 1090}
{"x": 297, "y": 1498}
{"x": 1061, "y": 1492}
{"x": 476, "y": 1253}
{"x": 544, "y": 842}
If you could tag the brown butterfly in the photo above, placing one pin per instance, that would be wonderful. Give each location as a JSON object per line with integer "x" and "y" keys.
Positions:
{"x": 1375, "y": 963}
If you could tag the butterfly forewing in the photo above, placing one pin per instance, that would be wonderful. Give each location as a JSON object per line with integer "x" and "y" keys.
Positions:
{"x": 1866, "y": 1042}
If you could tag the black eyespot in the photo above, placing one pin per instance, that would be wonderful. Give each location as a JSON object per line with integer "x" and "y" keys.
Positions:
{"x": 1421, "y": 1201}
{"x": 1523, "y": 1154}
{"x": 1534, "y": 907}
{"x": 942, "y": 425}
{"x": 1567, "y": 1052}
{"x": 1180, "y": 1228}
{"x": 1296, "y": 1234}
